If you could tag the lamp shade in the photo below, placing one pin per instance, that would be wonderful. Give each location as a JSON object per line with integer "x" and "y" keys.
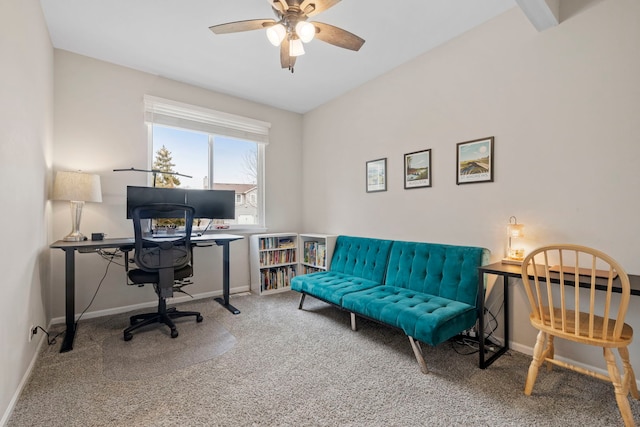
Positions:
{"x": 276, "y": 34}
{"x": 77, "y": 186}
{"x": 306, "y": 31}
{"x": 515, "y": 230}
{"x": 296, "y": 48}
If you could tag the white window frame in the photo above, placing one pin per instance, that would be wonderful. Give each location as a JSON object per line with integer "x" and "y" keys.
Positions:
{"x": 164, "y": 112}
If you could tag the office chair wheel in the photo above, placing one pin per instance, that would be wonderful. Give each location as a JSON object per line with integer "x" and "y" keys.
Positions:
{"x": 199, "y": 318}
{"x": 128, "y": 336}
{"x": 174, "y": 333}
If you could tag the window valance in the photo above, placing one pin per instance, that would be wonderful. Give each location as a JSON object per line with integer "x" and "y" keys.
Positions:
{"x": 177, "y": 114}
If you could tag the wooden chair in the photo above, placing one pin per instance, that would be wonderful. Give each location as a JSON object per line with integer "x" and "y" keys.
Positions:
{"x": 586, "y": 316}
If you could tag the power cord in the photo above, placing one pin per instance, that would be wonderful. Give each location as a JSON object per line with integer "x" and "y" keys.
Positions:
{"x": 50, "y": 341}
{"x": 473, "y": 342}
{"x": 494, "y": 317}
{"x": 109, "y": 256}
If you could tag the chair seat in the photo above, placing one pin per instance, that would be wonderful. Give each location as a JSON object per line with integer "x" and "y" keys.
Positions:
{"x": 427, "y": 318}
{"x": 569, "y": 331}
{"x": 140, "y": 276}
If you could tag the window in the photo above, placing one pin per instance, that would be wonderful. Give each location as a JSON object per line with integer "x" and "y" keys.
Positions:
{"x": 201, "y": 148}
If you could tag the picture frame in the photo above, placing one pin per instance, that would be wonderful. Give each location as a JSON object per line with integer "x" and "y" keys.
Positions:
{"x": 417, "y": 169}
{"x": 474, "y": 161}
{"x": 376, "y": 175}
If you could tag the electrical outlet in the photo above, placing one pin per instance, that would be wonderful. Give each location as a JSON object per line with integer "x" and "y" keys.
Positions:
{"x": 32, "y": 331}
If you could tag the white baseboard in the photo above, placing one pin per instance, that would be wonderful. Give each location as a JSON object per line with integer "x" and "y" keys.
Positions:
{"x": 23, "y": 382}
{"x": 127, "y": 308}
{"x": 529, "y": 351}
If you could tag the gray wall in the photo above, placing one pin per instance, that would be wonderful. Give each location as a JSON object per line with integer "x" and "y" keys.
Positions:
{"x": 26, "y": 112}
{"x": 563, "y": 106}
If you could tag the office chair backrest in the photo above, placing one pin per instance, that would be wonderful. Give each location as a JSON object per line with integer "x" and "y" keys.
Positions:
{"x": 171, "y": 251}
{"x": 558, "y": 306}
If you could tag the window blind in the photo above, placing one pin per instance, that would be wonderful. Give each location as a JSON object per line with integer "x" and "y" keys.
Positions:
{"x": 177, "y": 114}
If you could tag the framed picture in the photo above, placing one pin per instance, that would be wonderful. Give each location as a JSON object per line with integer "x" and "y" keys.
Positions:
{"x": 474, "y": 161}
{"x": 417, "y": 169}
{"x": 377, "y": 175}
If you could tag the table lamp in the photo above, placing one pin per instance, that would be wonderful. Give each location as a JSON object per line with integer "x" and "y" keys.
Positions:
{"x": 78, "y": 188}
{"x": 515, "y": 255}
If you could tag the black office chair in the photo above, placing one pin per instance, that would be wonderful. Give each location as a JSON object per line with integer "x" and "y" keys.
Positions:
{"x": 164, "y": 262}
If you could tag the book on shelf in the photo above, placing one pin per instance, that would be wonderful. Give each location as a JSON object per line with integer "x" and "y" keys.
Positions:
{"x": 310, "y": 250}
{"x": 266, "y": 243}
{"x": 307, "y": 269}
{"x": 285, "y": 256}
{"x": 321, "y": 254}
{"x": 277, "y": 277}
{"x": 286, "y": 242}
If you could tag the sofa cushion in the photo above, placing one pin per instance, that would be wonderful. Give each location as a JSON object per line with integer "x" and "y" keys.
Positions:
{"x": 427, "y": 318}
{"x": 361, "y": 256}
{"x": 330, "y": 286}
{"x": 435, "y": 269}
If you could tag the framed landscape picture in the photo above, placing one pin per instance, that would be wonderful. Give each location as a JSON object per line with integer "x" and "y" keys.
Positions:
{"x": 377, "y": 175}
{"x": 417, "y": 169}
{"x": 474, "y": 161}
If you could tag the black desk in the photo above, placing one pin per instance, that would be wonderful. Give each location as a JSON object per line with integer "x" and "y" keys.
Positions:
{"x": 508, "y": 271}
{"x": 70, "y": 249}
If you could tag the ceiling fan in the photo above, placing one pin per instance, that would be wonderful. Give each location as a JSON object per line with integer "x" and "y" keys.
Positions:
{"x": 292, "y": 29}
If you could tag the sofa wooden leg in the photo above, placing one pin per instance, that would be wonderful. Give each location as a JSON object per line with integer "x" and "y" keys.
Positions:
{"x": 301, "y": 301}
{"x": 354, "y": 327}
{"x": 417, "y": 351}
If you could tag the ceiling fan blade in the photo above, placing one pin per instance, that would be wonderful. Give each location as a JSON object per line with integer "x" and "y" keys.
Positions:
{"x": 337, "y": 36}
{"x": 286, "y": 61}
{"x": 279, "y": 5}
{"x": 314, "y": 7}
{"x": 238, "y": 26}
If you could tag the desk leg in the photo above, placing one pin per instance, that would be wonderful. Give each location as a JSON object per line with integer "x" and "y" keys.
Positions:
{"x": 69, "y": 291}
{"x": 505, "y": 321}
{"x": 225, "y": 278}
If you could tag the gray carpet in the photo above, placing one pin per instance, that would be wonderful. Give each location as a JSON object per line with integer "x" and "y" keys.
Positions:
{"x": 299, "y": 368}
{"x": 154, "y": 353}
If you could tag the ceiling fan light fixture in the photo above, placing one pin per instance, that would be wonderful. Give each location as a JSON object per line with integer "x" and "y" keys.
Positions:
{"x": 276, "y": 33}
{"x": 291, "y": 29}
{"x": 306, "y": 31}
{"x": 296, "y": 48}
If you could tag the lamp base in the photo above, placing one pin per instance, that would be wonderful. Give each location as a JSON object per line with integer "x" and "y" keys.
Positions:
{"x": 76, "y": 215}
{"x": 74, "y": 237}
{"x": 512, "y": 261}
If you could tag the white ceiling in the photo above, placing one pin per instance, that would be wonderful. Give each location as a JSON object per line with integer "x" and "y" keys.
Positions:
{"x": 171, "y": 38}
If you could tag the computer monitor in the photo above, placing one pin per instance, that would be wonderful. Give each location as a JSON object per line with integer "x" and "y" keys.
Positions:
{"x": 138, "y": 196}
{"x": 212, "y": 204}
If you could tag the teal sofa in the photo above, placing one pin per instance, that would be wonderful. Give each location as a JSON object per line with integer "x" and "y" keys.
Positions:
{"x": 427, "y": 290}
